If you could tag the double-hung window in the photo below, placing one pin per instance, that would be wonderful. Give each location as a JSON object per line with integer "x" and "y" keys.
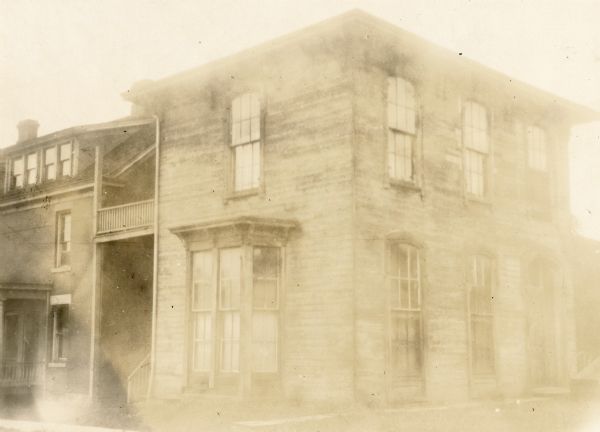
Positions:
{"x": 537, "y": 161}
{"x": 265, "y": 315}
{"x": 404, "y": 284}
{"x": 17, "y": 175}
{"x": 476, "y": 147}
{"x": 32, "y": 168}
{"x": 50, "y": 163}
{"x": 481, "y": 318}
{"x": 66, "y": 159}
{"x": 402, "y": 115}
{"x": 60, "y": 329}
{"x": 63, "y": 239}
{"x": 246, "y": 141}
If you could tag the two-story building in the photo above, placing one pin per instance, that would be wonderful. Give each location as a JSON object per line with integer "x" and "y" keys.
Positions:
{"x": 344, "y": 213}
{"x": 76, "y": 257}
{"x": 351, "y": 213}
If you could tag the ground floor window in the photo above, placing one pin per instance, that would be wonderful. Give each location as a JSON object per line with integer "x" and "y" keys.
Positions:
{"x": 219, "y": 278}
{"x": 405, "y": 334}
{"x": 481, "y": 318}
{"x": 60, "y": 331}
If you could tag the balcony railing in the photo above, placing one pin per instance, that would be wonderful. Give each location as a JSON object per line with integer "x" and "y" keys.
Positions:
{"x": 125, "y": 217}
{"x": 14, "y": 373}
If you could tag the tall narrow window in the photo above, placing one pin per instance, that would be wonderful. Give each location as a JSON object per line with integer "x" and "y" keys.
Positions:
{"x": 50, "y": 163}
{"x": 475, "y": 141}
{"x": 481, "y": 315}
{"x": 66, "y": 160}
{"x": 245, "y": 141}
{"x": 60, "y": 326}
{"x": 404, "y": 279}
{"x": 63, "y": 240}
{"x": 401, "y": 109}
{"x": 17, "y": 173}
{"x": 266, "y": 270}
{"x": 537, "y": 160}
{"x": 536, "y": 148}
{"x": 32, "y": 168}
{"x": 229, "y": 308}
{"x": 202, "y": 306}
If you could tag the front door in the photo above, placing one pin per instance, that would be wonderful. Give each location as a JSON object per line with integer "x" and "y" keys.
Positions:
{"x": 542, "y": 326}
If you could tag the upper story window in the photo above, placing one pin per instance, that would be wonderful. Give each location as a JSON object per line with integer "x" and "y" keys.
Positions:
{"x": 17, "y": 173}
{"x": 245, "y": 141}
{"x": 66, "y": 159}
{"x": 402, "y": 115}
{"x": 63, "y": 239}
{"x": 476, "y": 146}
{"x": 44, "y": 164}
{"x": 536, "y": 148}
{"x": 32, "y": 168}
{"x": 404, "y": 280}
{"x": 50, "y": 163}
{"x": 481, "y": 319}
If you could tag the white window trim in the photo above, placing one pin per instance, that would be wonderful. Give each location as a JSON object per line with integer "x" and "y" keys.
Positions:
{"x": 232, "y": 191}
{"x": 486, "y": 152}
{"x": 410, "y": 132}
{"x": 58, "y": 300}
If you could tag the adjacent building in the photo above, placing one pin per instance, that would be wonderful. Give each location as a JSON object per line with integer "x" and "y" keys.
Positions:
{"x": 346, "y": 213}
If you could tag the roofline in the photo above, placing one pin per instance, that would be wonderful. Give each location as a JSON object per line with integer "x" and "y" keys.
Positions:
{"x": 582, "y": 113}
{"x": 74, "y": 131}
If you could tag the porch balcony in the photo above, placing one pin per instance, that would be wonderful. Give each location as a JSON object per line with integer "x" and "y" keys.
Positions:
{"x": 136, "y": 218}
{"x": 21, "y": 374}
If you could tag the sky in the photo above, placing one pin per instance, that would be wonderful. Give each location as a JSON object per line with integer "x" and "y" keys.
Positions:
{"x": 66, "y": 62}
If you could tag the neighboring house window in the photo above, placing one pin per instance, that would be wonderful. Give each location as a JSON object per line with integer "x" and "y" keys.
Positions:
{"x": 17, "y": 173}
{"x": 245, "y": 141}
{"x": 50, "y": 163}
{"x": 60, "y": 330}
{"x": 265, "y": 317}
{"x": 404, "y": 280}
{"x": 536, "y": 148}
{"x": 476, "y": 145}
{"x": 401, "y": 110}
{"x": 481, "y": 318}
{"x": 63, "y": 240}
{"x": 66, "y": 160}
{"x": 32, "y": 168}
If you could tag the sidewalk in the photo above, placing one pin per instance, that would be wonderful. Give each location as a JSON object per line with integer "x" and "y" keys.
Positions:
{"x": 531, "y": 415}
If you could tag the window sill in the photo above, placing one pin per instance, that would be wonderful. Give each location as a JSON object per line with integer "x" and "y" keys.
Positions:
{"x": 59, "y": 364}
{"x": 61, "y": 269}
{"x": 483, "y": 200}
{"x": 235, "y": 195}
{"x": 405, "y": 184}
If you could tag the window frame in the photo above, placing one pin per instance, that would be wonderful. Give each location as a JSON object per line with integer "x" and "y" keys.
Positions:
{"x": 489, "y": 315}
{"x": 60, "y": 339}
{"x": 232, "y": 172}
{"x": 41, "y": 166}
{"x": 405, "y": 379}
{"x": 471, "y": 147}
{"x": 246, "y": 311}
{"x": 59, "y": 259}
{"x": 406, "y": 133}
{"x": 28, "y": 170}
